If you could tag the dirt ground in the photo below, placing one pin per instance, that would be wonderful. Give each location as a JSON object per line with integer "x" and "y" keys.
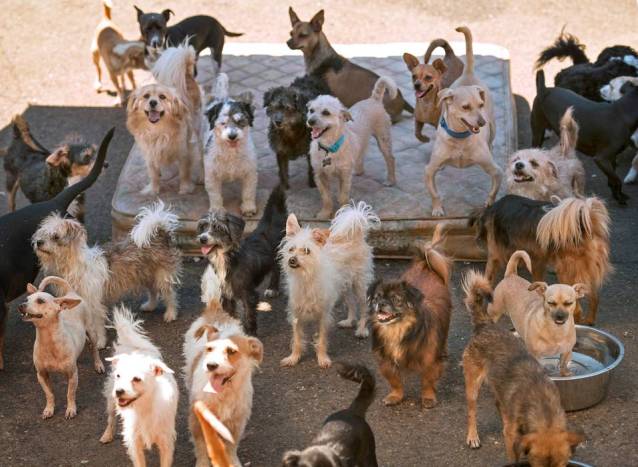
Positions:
{"x": 45, "y": 68}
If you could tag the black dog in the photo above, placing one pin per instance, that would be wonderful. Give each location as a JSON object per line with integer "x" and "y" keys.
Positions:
{"x": 18, "y": 263}
{"x": 605, "y": 128}
{"x": 346, "y": 439}
{"x": 202, "y": 32}
{"x": 288, "y": 134}
{"x": 583, "y": 77}
{"x": 241, "y": 266}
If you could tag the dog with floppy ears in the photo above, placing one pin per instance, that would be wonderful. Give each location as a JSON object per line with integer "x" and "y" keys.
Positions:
{"x": 323, "y": 266}
{"x": 142, "y": 390}
{"x": 340, "y": 141}
{"x": 534, "y": 422}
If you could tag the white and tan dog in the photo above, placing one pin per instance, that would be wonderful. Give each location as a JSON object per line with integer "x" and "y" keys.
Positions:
{"x": 142, "y": 390}
{"x": 539, "y": 174}
{"x": 60, "y": 336}
{"x": 466, "y": 131}
{"x": 542, "y": 315}
{"x": 323, "y": 266}
{"x": 340, "y": 140}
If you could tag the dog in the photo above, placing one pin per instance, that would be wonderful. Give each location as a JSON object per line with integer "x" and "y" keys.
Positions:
{"x": 120, "y": 56}
{"x": 40, "y": 173}
{"x": 428, "y": 79}
{"x": 410, "y": 322}
{"x": 288, "y": 134}
{"x": 18, "y": 262}
{"x": 220, "y": 360}
{"x": 466, "y": 110}
{"x": 236, "y": 266}
{"x": 348, "y": 82}
{"x": 572, "y": 237}
{"x": 534, "y": 422}
{"x": 586, "y": 78}
{"x": 60, "y": 334}
{"x": 605, "y": 129}
{"x": 345, "y": 437}
{"x": 200, "y": 31}
{"x": 542, "y": 173}
{"x": 143, "y": 392}
{"x": 323, "y": 266}
{"x": 147, "y": 260}
{"x": 542, "y": 315}
{"x": 230, "y": 151}
{"x": 340, "y": 140}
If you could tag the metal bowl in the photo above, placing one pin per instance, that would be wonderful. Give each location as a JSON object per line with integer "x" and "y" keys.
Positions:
{"x": 594, "y": 358}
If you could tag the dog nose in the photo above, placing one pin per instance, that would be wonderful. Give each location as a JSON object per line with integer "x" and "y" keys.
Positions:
{"x": 152, "y": 103}
{"x": 289, "y": 43}
{"x": 22, "y": 308}
{"x": 417, "y": 84}
{"x": 232, "y": 136}
{"x": 561, "y": 316}
{"x": 481, "y": 121}
{"x": 277, "y": 121}
{"x": 293, "y": 262}
{"x": 212, "y": 366}
{"x": 519, "y": 166}
{"x": 119, "y": 392}
{"x": 155, "y": 42}
{"x": 203, "y": 239}
{"x": 312, "y": 121}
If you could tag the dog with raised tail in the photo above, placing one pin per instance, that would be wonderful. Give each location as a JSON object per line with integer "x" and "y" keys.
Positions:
{"x": 142, "y": 390}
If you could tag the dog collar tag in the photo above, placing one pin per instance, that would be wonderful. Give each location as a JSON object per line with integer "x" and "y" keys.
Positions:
{"x": 334, "y": 147}
{"x": 326, "y": 161}
{"x": 452, "y": 133}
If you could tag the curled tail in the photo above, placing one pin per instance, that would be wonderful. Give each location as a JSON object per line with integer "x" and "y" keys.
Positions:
{"x": 383, "y": 83}
{"x": 174, "y": 65}
{"x": 433, "y": 258}
{"x": 276, "y": 203}
{"x": 478, "y": 295}
{"x": 476, "y": 220}
{"x": 151, "y": 222}
{"x": 541, "y": 89}
{"x": 352, "y": 221}
{"x": 512, "y": 264}
{"x": 22, "y": 131}
{"x": 568, "y": 134}
{"x": 468, "y": 70}
{"x": 359, "y": 374}
{"x": 107, "y": 5}
{"x": 434, "y": 45}
{"x": 130, "y": 333}
{"x": 232, "y": 34}
{"x": 565, "y": 46}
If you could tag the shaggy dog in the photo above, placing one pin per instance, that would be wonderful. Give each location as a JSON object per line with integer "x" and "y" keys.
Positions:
{"x": 410, "y": 322}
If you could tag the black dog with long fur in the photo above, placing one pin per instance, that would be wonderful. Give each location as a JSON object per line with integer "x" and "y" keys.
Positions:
{"x": 346, "y": 439}
{"x": 288, "y": 134}
{"x": 241, "y": 265}
{"x": 18, "y": 263}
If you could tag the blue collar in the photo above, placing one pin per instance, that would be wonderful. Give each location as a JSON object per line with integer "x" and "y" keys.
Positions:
{"x": 334, "y": 147}
{"x": 451, "y": 132}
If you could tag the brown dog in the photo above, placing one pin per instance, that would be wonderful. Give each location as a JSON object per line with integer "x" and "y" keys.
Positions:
{"x": 348, "y": 82}
{"x": 410, "y": 322}
{"x": 428, "y": 80}
{"x": 534, "y": 423}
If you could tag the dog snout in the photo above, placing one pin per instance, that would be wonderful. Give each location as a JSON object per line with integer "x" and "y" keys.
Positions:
{"x": 519, "y": 165}
{"x": 293, "y": 262}
{"x": 203, "y": 239}
{"x": 312, "y": 121}
{"x": 22, "y": 308}
{"x": 277, "y": 120}
{"x": 560, "y": 316}
{"x": 119, "y": 392}
{"x": 155, "y": 42}
{"x": 232, "y": 135}
{"x": 481, "y": 121}
{"x": 212, "y": 366}
{"x": 417, "y": 84}
{"x": 152, "y": 103}
{"x": 290, "y": 43}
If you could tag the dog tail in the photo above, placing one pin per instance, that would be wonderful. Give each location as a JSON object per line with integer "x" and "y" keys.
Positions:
{"x": 383, "y": 83}
{"x": 276, "y": 204}
{"x": 477, "y": 219}
{"x": 107, "y": 5}
{"x": 130, "y": 333}
{"x": 565, "y": 46}
{"x": 478, "y": 295}
{"x": 22, "y": 131}
{"x": 433, "y": 258}
{"x": 541, "y": 89}
{"x": 468, "y": 69}
{"x": 445, "y": 45}
{"x": 359, "y": 374}
{"x": 231, "y": 34}
{"x": 352, "y": 221}
{"x": 512, "y": 264}
{"x": 568, "y": 134}
{"x": 151, "y": 222}
{"x": 172, "y": 67}
{"x": 221, "y": 88}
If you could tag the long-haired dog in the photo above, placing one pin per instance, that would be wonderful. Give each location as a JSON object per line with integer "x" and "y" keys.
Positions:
{"x": 323, "y": 266}
{"x": 220, "y": 360}
{"x": 534, "y": 422}
{"x": 59, "y": 339}
{"x": 230, "y": 152}
{"x": 410, "y": 322}
{"x": 572, "y": 237}
{"x": 147, "y": 260}
{"x": 345, "y": 437}
{"x": 142, "y": 390}
{"x": 539, "y": 174}
{"x": 237, "y": 267}
{"x": 340, "y": 139}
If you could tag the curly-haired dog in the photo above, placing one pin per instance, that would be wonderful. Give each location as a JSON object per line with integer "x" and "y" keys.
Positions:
{"x": 345, "y": 438}
{"x": 323, "y": 266}
{"x": 60, "y": 334}
{"x": 534, "y": 422}
{"x": 148, "y": 260}
{"x": 142, "y": 390}
{"x": 572, "y": 237}
{"x": 542, "y": 173}
{"x": 410, "y": 322}
{"x": 220, "y": 360}
{"x": 340, "y": 139}
{"x": 288, "y": 134}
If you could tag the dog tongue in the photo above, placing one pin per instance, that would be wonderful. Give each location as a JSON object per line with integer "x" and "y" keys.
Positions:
{"x": 420, "y": 94}
{"x": 153, "y": 116}
{"x": 216, "y": 386}
{"x": 315, "y": 132}
{"x": 206, "y": 249}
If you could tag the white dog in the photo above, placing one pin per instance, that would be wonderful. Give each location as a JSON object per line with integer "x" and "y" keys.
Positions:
{"x": 340, "y": 140}
{"x": 142, "y": 390}
{"x": 230, "y": 151}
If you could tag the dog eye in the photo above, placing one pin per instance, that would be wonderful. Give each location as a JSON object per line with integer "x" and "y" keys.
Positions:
{"x": 39, "y": 301}
{"x": 147, "y": 95}
{"x": 208, "y": 349}
{"x": 428, "y": 78}
{"x": 306, "y": 251}
{"x": 534, "y": 163}
{"x": 414, "y": 77}
{"x": 481, "y": 105}
{"x": 325, "y": 113}
{"x": 551, "y": 303}
{"x": 311, "y": 110}
{"x": 55, "y": 237}
{"x": 162, "y": 96}
{"x": 466, "y": 107}
{"x": 291, "y": 249}
{"x": 117, "y": 376}
{"x": 302, "y": 35}
{"x": 230, "y": 351}
{"x": 568, "y": 303}
{"x": 137, "y": 379}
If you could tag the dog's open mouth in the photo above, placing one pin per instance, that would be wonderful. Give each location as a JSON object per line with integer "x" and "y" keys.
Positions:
{"x": 385, "y": 316}
{"x": 154, "y": 116}
{"x": 207, "y": 249}
{"x": 43, "y": 251}
{"x": 26, "y": 316}
{"x": 316, "y": 133}
{"x": 520, "y": 177}
{"x": 422, "y": 94}
{"x": 472, "y": 128}
{"x": 559, "y": 321}
{"x": 216, "y": 384}
{"x": 125, "y": 401}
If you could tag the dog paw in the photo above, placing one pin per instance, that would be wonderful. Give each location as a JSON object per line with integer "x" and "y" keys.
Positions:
{"x": 389, "y": 183}
{"x": 271, "y": 293}
{"x": 71, "y": 412}
{"x": 565, "y": 372}
{"x": 346, "y": 323}
{"x": 186, "y": 188}
{"x": 324, "y": 361}
{"x": 47, "y": 412}
{"x": 488, "y": 202}
{"x": 392, "y": 399}
{"x": 438, "y": 211}
{"x": 428, "y": 403}
{"x": 99, "y": 367}
{"x": 170, "y": 315}
{"x": 362, "y": 333}
{"x": 292, "y": 360}
{"x": 148, "y": 306}
{"x": 248, "y": 211}
{"x": 473, "y": 442}
{"x": 97, "y": 85}
{"x": 106, "y": 437}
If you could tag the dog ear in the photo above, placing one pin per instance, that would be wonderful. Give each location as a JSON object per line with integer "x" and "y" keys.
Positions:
{"x": 481, "y": 93}
{"x": 255, "y": 349}
{"x": 553, "y": 169}
{"x": 59, "y": 157}
{"x": 112, "y": 360}
{"x": 133, "y": 101}
{"x": 445, "y": 96}
{"x": 210, "y": 330}
{"x": 371, "y": 290}
{"x": 178, "y": 107}
{"x": 167, "y": 14}
{"x": 267, "y": 99}
{"x": 413, "y": 296}
{"x": 523, "y": 444}
{"x": 581, "y": 290}
{"x": 245, "y": 97}
{"x": 214, "y": 112}
{"x": 249, "y": 109}
{"x": 66, "y": 303}
{"x": 540, "y": 287}
{"x": 292, "y": 225}
{"x": 320, "y": 236}
{"x": 291, "y": 459}
{"x": 410, "y": 60}
{"x": 31, "y": 289}
{"x": 294, "y": 19}
{"x": 139, "y": 12}
{"x": 439, "y": 65}
{"x": 346, "y": 115}
{"x": 317, "y": 21}
{"x": 235, "y": 227}
{"x": 159, "y": 368}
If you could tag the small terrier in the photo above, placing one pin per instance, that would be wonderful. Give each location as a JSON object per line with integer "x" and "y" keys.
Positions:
{"x": 340, "y": 140}
{"x": 323, "y": 266}
{"x": 142, "y": 390}
{"x": 60, "y": 336}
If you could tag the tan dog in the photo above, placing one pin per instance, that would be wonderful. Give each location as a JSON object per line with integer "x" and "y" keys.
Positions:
{"x": 466, "y": 131}
{"x": 428, "y": 80}
{"x": 119, "y": 55}
{"x": 542, "y": 315}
